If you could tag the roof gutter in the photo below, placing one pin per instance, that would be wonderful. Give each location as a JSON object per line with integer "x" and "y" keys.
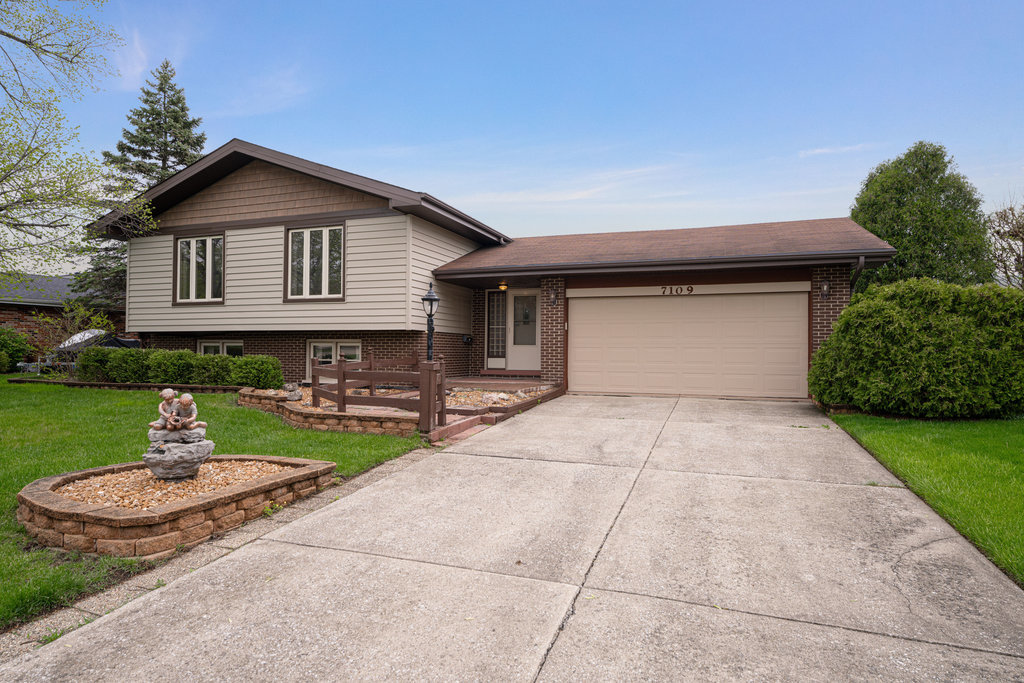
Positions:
{"x": 782, "y": 260}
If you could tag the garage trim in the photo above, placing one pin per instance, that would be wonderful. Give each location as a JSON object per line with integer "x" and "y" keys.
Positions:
{"x": 691, "y": 290}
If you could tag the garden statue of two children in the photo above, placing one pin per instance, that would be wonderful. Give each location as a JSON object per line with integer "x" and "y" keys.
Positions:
{"x": 176, "y": 413}
{"x": 178, "y": 443}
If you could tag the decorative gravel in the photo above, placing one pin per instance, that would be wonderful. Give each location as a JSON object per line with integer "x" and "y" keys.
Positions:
{"x": 140, "y": 490}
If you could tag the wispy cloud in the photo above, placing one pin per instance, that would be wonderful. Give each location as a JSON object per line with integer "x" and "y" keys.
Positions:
{"x": 833, "y": 150}
{"x": 276, "y": 90}
{"x": 131, "y": 61}
{"x": 605, "y": 184}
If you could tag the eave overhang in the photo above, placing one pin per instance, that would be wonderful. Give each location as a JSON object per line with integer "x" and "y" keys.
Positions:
{"x": 237, "y": 153}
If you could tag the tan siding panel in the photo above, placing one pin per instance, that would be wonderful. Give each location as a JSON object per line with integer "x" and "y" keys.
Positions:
{"x": 254, "y": 283}
{"x": 433, "y": 246}
{"x": 263, "y": 190}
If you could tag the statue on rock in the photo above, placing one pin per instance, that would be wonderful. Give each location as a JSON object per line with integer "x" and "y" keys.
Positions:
{"x": 178, "y": 443}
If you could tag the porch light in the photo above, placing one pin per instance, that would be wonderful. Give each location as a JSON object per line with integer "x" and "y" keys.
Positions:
{"x": 826, "y": 287}
{"x": 502, "y": 285}
{"x": 430, "y": 301}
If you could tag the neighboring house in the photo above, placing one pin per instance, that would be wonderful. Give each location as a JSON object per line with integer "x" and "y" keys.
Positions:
{"x": 257, "y": 251}
{"x": 35, "y": 295}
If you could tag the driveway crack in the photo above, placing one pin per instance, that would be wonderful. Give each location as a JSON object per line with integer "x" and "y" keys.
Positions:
{"x": 572, "y": 605}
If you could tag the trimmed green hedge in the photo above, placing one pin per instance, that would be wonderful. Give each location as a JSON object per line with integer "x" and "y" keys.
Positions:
{"x": 97, "y": 364}
{"x": 5, "y": 361}
{"x": 924, "y": 348}
{"x": 128, "y": 365}
{"x": 91, "y": 364}
{"x": 261, "y": 372}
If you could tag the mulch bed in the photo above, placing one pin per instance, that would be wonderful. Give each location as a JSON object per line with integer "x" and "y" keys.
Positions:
{"x": 140, "y": 490}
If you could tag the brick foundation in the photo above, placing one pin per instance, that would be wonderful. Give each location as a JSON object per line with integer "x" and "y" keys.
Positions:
{"x": 824, "y": 312}
{"x": 291, "y": 347}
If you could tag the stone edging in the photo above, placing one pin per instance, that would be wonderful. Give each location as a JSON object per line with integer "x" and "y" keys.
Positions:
{"x": 131, "y": 386}
{"x": 307, "y": 418}
{"x": 60, "y": 522}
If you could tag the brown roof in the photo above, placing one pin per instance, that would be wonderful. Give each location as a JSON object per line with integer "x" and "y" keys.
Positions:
{"x": 236, "y": 153}
{"x": 827, "y": 240}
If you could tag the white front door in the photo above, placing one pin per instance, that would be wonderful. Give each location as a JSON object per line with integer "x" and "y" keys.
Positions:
{"x": 523, "y": 329}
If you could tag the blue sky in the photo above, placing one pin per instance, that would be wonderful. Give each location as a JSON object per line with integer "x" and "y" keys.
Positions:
{"x": 557, "y": 117}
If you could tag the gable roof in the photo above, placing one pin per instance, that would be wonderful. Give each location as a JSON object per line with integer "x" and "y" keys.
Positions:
{"x": 233, "y": 155}
{"x": 829, "y": 240}
{"x": 37, "y": 290}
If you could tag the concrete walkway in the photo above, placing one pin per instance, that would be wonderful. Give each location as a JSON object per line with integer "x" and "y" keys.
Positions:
{"x": 591, "y": 538}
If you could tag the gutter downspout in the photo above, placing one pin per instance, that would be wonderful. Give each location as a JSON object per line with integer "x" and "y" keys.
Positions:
{"x": 856, "y": 272}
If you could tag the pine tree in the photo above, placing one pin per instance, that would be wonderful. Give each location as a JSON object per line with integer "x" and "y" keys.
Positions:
{"x": 162, "y": 138}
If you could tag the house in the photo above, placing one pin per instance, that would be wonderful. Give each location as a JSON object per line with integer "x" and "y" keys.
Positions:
{"x": 260, "y": 252}
{"x": 21, "y": 301}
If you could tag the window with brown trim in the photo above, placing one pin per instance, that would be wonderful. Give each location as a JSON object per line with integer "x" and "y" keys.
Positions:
{"x": 316, "y": 263}
{"x": 199, "y": 269}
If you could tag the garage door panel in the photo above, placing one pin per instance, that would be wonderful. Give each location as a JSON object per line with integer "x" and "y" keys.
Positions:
{"x": 715, "y": 345}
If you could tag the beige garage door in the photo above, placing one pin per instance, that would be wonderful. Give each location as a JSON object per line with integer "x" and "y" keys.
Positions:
{"x": 709, "y": 345}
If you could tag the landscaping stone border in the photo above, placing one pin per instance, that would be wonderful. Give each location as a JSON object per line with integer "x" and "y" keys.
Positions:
{"x": 131, "y": 386}
{"x": 307, "y": 418}
{"x": 60, "y": 522}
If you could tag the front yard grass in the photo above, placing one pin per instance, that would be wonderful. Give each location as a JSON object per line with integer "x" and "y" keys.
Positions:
{"x": 51, "y": 429}
{"x": 970, "y": 472}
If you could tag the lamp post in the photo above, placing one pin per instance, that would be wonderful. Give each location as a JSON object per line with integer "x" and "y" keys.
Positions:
{"x": 430, "y": 301}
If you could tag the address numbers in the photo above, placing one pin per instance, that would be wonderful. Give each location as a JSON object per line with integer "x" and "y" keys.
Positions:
{"x": 677, "y": 290}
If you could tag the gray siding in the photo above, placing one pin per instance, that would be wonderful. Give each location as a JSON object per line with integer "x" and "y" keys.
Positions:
{"x": 430, "y": 247}
{"x": 376, "y": 284}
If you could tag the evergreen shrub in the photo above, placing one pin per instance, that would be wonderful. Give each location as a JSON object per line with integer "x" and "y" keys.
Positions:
{"x": 212, "y": 369}
{"x": 91, "y": 364}
{"x": 260, "y": 372}
{"x": 171, "y": 367}
{"x": 128, "y": 365}
{"x": 928, "y": 349}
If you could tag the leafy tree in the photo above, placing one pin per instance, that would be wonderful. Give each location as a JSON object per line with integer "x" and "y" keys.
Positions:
{"x": 1006, "y": 229}
{"x": 51, "y": 51}
{"x": 931, "y": 213}
{"x": 163, "y": 138}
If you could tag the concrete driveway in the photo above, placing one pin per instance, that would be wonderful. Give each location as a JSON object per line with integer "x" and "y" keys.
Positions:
{"x": 592, "y": 538}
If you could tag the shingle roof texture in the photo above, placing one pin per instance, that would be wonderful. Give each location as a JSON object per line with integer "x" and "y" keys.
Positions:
{"x": 50, "y": 290}
{"x": 839, "y": 236}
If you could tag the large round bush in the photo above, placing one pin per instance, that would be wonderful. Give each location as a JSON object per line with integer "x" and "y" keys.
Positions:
{"x": 924, "y": 348}
{"x": 16, "y": 346}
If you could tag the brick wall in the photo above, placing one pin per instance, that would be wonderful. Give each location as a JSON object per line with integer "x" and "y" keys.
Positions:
{"x": 291, "y": 347}
{"x": 479, "y": 318}
{"x": 825, "y": 311}
{"x": 20, "y": 319}
{"x": 552, "y": 330}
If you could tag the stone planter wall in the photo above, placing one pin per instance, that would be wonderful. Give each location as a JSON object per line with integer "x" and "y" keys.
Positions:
{"x": 307, "y": 418}
{"x": 60, "y": 522}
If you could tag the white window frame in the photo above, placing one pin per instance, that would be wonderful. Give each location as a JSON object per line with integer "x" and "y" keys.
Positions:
{"x": 192, "y": 268}
{"x": 325, "y": 275}
{"x": 223, "y": 343}
{"x": 334, "y": 352}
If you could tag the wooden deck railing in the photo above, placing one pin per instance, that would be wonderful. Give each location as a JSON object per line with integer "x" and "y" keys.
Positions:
{"x": 428, "y": 377}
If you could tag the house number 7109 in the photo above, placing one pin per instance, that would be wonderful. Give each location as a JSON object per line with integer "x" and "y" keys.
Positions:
{"x": 688, "y": 289}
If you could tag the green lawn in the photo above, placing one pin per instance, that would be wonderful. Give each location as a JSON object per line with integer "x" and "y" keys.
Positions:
{"x": 48, "y": 429}
{"x": 970, "y": 472}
